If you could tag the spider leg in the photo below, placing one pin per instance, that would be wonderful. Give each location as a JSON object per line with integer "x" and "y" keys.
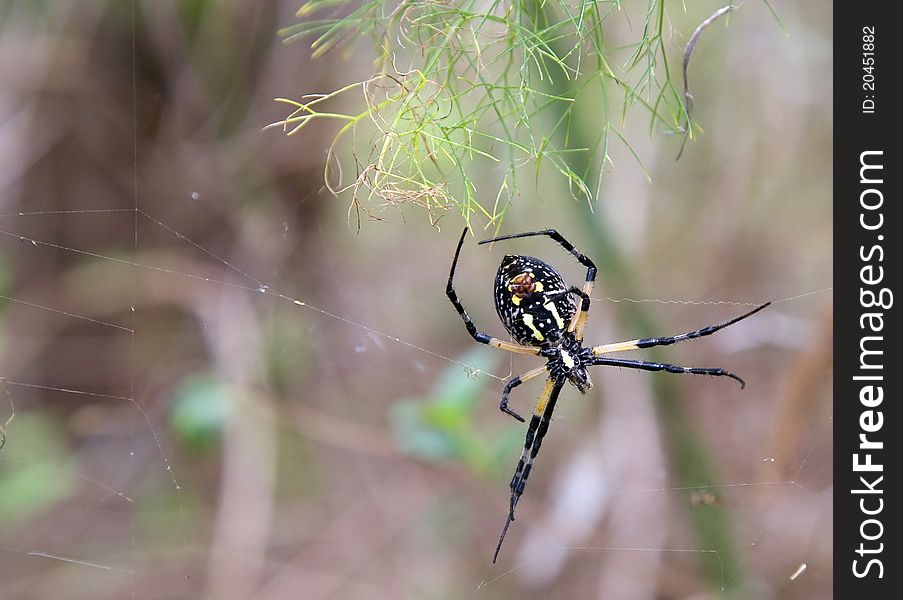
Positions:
{"x": 513, "y": 383}
{"x": 571, "y": 290}
{"x": 536, "y": 431}
{"x": 578, "y": 321}
{"x": 666, "y": 341}
{"x": 668, "y": 368}
{"x": 479, "y": 336}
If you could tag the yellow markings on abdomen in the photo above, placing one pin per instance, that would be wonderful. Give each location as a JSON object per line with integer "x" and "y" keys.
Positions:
{"x": 528, "y": 321}
{"x": 550, "y": 306}
{"x": 522, "y": 286}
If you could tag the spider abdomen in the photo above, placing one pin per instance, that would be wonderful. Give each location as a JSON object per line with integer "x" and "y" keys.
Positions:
{"x": 532, "y": 300}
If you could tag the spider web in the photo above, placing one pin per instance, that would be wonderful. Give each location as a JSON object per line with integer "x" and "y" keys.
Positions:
{"x": 381, "y": 339}
{"x": 594, "y": 501}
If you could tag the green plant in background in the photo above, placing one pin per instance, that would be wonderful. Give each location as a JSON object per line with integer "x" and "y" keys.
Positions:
{"x": 44, "y": 479}
{"x": 441, "y": 426}
{"x": 465, "y": 91}
{"x": 200, "y": 410}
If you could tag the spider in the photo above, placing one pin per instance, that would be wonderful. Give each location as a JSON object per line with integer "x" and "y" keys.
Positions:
{"x": 542, "y": 314}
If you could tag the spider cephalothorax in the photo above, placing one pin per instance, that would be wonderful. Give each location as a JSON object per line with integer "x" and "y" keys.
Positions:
{"x": 568, "y": 359}
{"x": 541, "y": 312}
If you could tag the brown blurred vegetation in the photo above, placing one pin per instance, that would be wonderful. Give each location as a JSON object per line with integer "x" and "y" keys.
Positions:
{"x": 184, "y": 430}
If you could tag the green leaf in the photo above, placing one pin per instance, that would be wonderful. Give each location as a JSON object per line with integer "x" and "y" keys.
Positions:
{"x": 200, "y": 410}
{"x": 33, "y": 470}
{"x": 441, "y": 426}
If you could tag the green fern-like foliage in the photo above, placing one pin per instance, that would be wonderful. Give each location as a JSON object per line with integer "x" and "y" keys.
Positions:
{"x": 471, "y": 100}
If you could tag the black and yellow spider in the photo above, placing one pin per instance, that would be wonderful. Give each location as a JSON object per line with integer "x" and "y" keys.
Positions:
{"x": 540, "y": 312}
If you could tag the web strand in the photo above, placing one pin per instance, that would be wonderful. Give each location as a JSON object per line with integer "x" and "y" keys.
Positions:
{"x": 260, "y": 288}
{"x": 257, "y": 286}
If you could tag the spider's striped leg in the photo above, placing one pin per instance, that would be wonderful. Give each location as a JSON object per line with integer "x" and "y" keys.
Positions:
{"x": 513, "y": 383}
{"x": 666, "y": 341}
{"x": 479, "y": 336}
{"x": 644, "y": 365}
{"x": 571, "y": 290}
{"x": 578, "y": 321}
{"x": 536, "y": 431}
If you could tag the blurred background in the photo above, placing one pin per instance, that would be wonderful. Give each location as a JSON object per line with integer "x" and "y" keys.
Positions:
{"x": 219, "y": 388}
